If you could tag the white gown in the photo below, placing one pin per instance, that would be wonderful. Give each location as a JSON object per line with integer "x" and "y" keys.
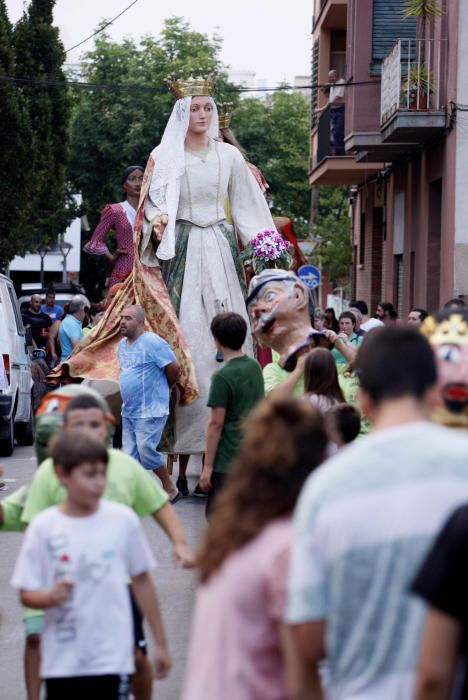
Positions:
{"x": 209, "y": 282}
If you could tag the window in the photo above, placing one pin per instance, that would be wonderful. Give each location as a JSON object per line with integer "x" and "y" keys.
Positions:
{"x": 315, "y": 80}
{"x": 14, "y": 305}
{"x": 362, "y": 240}
{"x": 388, "y": 26}
{"x": 398, "y": 283}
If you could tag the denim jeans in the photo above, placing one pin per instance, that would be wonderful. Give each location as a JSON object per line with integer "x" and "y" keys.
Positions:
{"x": 140, "y": 439}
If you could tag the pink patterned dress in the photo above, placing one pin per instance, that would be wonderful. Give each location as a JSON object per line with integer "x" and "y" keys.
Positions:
{"x": 120, "y": 218}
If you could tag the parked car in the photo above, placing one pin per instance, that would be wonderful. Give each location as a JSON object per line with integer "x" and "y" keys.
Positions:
{"x": 16, "y": 413}
{"x": 64, "y": 292}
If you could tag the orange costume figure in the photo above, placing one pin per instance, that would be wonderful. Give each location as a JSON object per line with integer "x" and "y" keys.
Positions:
{"x": 96, "y": 355}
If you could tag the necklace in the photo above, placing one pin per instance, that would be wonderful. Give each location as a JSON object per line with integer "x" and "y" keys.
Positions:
{"x": 201, "y": 154}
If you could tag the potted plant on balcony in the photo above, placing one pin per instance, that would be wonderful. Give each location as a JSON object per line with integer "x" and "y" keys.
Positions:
{"x": 416, "y": 87}
{"x": 423, "y": 10}
{"x": 418, "y": 83}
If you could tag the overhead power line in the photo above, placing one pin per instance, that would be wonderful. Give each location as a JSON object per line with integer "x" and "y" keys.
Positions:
{"x": 101, "y": 29}
{"x": 148, "y": 88}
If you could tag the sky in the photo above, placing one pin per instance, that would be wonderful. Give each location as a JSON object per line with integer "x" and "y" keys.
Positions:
{"x": 271, "y": 38}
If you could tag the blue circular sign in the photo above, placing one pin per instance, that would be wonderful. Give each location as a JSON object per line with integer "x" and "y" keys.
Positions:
{"x": 310, "y": 275}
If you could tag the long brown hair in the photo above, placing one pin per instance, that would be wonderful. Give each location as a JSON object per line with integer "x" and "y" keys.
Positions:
{"x": 320, "y": 375}
{"x": 284, "y": 441}
{"x": 227, "y": 136}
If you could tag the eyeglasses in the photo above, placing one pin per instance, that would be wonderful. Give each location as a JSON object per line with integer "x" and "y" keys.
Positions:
{"x": 135, "y": 178}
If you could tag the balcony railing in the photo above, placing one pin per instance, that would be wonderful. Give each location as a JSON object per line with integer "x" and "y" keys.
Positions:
{"x": 413, "y": 77}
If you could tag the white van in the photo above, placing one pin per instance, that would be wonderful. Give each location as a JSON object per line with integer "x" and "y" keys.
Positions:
{"x": 16, "y": 413}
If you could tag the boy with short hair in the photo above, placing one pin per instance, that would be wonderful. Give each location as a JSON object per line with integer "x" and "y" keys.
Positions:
{"x": 234, "y": 391}
{"x": 127, "y": 483}
{"x": 74, "y": 562}
{"x": 365, "y": 521}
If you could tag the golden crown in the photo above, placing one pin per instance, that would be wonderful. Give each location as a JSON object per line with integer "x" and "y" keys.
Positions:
{"x": 453, "y": 330}
{"x": 200, "y": 85}
{"x": 224, "y": 114}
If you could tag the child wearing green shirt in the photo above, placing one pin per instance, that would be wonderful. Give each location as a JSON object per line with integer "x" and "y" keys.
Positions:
{"x": 234, "y": 391}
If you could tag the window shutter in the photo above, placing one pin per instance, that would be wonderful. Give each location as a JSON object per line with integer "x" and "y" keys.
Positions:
{"x": 388, "y": 26}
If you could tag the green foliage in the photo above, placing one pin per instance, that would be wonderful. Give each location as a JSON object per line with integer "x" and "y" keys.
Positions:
{"x": 15, "y": 137}
{"x": 333, "y": 230}
{"x": 276, "y": 138}
{"x": 115, "y": 128}
{"x": 423, "y": 9}
{"x": 40, "y": 55}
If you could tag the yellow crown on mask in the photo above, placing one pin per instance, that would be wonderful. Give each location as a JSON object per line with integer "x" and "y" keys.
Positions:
{"x": 453, "y": 330}
{"x": 199, "y": 85}
{"x": 224, "y": 114}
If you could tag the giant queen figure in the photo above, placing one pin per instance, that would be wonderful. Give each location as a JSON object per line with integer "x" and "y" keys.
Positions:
{"x": 187, "y": 264}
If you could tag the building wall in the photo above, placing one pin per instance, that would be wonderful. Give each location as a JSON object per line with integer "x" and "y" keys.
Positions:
{"x": 362, "y": 101}
{"x": 460, "y": 266}
{"x": 424, "y": 232}
{"x": 368, "y": 235}
{"x": 53, "y": 262}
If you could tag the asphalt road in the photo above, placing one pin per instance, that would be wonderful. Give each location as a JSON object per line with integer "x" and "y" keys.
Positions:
{"x": 175, "y": 588}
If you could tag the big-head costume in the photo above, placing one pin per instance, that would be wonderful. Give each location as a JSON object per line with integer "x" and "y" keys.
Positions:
{"x": 447, "y": 332}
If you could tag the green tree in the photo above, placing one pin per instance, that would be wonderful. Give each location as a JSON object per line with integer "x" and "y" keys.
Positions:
{"x": 113, "y": 128}
{"x": 333, "y": 231}
{"x": 15, "y": 137}
{"x": 39, "y": 57}
{"x": 118, "y": 127}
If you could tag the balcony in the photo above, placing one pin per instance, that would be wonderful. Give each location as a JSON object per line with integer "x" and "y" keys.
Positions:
{"x": 413, "y": 91}
{"x": 330, "y": 165}
{"x": 330, "y": 14}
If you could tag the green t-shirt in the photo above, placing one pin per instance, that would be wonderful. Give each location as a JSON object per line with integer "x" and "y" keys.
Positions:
{"x": 127, "y": 482}
{"x": 12, "y": 509}
{"x": 349, "y": 383}
{"x": 237, "y": 387}
{"x": 274, "y": 375}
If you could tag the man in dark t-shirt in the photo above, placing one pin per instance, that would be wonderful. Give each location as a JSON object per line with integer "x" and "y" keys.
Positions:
{"x": 38, "y": 321}
{"x": 443, "y": 583}
{"x": 234, "y": 390}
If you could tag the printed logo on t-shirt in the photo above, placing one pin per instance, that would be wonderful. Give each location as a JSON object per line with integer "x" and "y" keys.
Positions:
{"x": 91, "y": 566}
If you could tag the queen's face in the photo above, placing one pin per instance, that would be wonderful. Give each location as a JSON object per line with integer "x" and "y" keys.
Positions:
{"x": 201, "y": 113}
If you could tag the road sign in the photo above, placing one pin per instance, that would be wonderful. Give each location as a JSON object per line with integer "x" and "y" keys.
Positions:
{"x": 310, "y": 275}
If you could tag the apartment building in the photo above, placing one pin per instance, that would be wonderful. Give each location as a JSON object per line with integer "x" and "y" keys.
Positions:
{"x": 405, "y": 150}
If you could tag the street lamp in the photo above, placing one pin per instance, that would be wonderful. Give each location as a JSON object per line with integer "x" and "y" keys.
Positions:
{"x": 42, "y": 251}
{"x": 64, "y": 247}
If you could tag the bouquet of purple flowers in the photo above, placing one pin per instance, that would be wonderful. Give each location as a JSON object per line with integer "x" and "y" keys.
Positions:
{"x": 267, "y": 249}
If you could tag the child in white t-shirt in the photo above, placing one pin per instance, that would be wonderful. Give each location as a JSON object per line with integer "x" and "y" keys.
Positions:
{"x": 74, "y": 563}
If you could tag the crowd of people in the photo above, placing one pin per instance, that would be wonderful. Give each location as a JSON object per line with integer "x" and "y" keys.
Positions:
{"x": 58, "y": 329}
{"x": 331, "y": 564}
{"x": 322, "y": 544}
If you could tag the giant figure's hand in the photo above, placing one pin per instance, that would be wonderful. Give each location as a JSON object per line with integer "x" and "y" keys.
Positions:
{"x": 158, "y": 224}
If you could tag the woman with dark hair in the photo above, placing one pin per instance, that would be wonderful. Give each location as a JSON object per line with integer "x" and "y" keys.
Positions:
{"x": 121, "y": 219}
{"x": 95, "y": 313}
{"x": 321, "y": 384}
{"x": 243, "y": 561}
{"x": 331, "y": 321}
{"x": 347, "y": 326}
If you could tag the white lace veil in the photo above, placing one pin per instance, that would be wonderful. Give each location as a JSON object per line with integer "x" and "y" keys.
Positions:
{"x": 169, "y": 167}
